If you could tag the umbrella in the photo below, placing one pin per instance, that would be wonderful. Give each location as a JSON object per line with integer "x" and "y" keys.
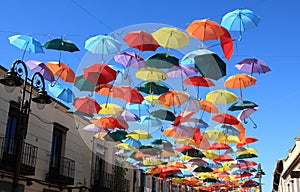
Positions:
{"x": 61, "y": 45}
{"x": 26, "y": 43}
{"x": 108, "y": 90}
{"x": 252, "y": 65}
{"x": 239, "y": 81}
{"x": 205, "y": 29}
{"x": 38, "y": 66}
{"x": 86, "y": 105}
{"x": 163, "y": 114}
{"x": 245, "y": 113}
{"x": 240, "y": 105}
{"x": 62, "y": 71}
{"x": 151, "y": 74}
{"x": 83, "y": 84}
{"x": 102, "y": 44}
{"x": 226, "y": 43}
{"x": 139, "y": 134}
{"x": 207, "y": 62}
{"x": 93, "y": 128}
{"x": 109, "y": 122}
{"x": 247, "y": 141}
{"x": 226, "y": 119}
{"x": 203, "y": 169}
{"x": 141, "y": 40}
{"x": 130, "y": 59}
{"x": 178, "y": 132}
{"x": 173, "y": 98}
{"x": 162, "y": 143}
{"x": 246, "y": 156}
{"x": 209, "y": 154}
{"x": 152, "y": 88}
{"x": 115, "y": 135}
{"x": 162, "y": 61}
{"x": 150, "y": 122}
{"x": 171, "y": 37}
{"x": 214, "y": 134}
{"x": 219, "y": 146}
{"x": 181, "y": 71}
{"x": 193, "y": 153}
{"x": 110, "y": 108}
{"x": 99, "y": 73}
{"x": 208, "y": 106}
{"x": 131, "y": 94}
{"x": 132, "y": 142}
{"x": 198, "y": 81}
{"x": 61, "y": 92}
{"x": 222, "y": 158}
{"x": 126, "y": 116}
{"x": 228, "y": 129}
{"x": 221, "y": 96}
{"x": 240, "y": 20}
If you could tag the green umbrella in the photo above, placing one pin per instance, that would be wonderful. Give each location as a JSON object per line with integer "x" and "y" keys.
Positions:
{"x": 240, "y": 105}
{"x": 115, "y": 135}
{"x": 163, "y": 114}
{"x": 201, "y": 169}
{"x": 152, "y": 88}
{"x": 83, "y": 84}
{"x": 73, "y": 110}
{"x": 61, "y": 44}
{"x": 162, "y": 60}
{"x": 162, "y": 142}
{"x": 246, "y": 156}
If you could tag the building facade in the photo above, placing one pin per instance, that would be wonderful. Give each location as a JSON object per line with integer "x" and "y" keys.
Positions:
{"x": 287, "y": 171}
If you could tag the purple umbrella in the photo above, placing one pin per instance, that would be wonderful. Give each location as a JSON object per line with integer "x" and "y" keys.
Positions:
{"x": 245, "y": 113}
{"x": 38, "y": 66}
{"x": 181, "y": 71}
{"x": 93, "y": 128}
{"x": 252, "y": 65}
{"x": 127, "y": 116}
{"x": 129, "y": 59}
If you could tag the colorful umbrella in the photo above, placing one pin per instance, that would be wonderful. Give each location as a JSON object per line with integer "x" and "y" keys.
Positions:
{"x": 252, "y": 65}
{"x": 219, "y": 146}
{"x": 108, "y": 90}
{"x": 93, "y": 128}
{"x": 61, "y": 92}
{"x": 26, "y": 43}
{"x": 86, "y": 105}
{"x": 126, "y": 116}
{"x": 38, "y": 66}
{"x": 141, "y": 40}
{"x": 171, "y": 37}
{"x": 131, "y": 94}
{"x": 99, "y": 73}
{"x": 226, "y": 44}
{"x": 221, "y": 96}
{"x": 62, "y": 71}
{"x": 245, "y": 113}
{"x": 151, "y": 74}
{"x": 83, "y": 84}
{"x": 132, "y": 142}
{"x": 139, "y": 134}
{"x": 240, "y": 105}
{"x": 110, "y": 108}
{"x": 130, "y": 59}
{"x": 163, "y": 114}
{"x": 198, "y": 81}
{"x": 109, "y": 122}
{"x": 152, "y": 88}
{"x": 162, "y": 61}
{"x": 208, "y": 106}
{"x": 226, "y": 118}
{"x": 173, "y": 98}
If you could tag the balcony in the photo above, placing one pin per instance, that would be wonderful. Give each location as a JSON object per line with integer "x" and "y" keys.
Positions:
{"x": 61, "y": 171}
{"x": 8, "y": 157}
{"x": 107, "y": 182}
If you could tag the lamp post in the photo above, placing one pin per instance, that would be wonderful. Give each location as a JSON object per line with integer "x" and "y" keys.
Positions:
{"x": 259, "y": 175}
{"x": 13, "y": 78}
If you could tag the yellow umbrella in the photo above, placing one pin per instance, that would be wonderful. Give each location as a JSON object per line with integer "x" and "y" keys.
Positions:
{"x": 247, "y": 151}
{"x": 151, "y": 161}
{"x": 182, "y": 140}
{"x": 139, "y": 134}
{"x": 221, "y": 96}
{"x": 151, "y": 74}
{"x": 231, "y": 139}
{"x": 185, "y": 157}
{"x": 154, "y": 99}
{"x": 215, "y": 135}
{"x": 209, "y": 154}
{"x": 110, "y": 108}
{"x": 171, "y": 37}
{"x": 126, "y": 146}
{"x": 166, "y": 153}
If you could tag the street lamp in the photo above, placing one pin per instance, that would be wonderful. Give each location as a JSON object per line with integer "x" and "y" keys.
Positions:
{"x": 13, "y": 78}
{"x": 259, "y": 175}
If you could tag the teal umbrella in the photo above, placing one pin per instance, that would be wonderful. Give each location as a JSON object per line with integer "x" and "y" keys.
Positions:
{"x": 83, "y": 84}
{"x": 163, "y": 114}
{"x": 162, "y": 60}
{"x": 240, "y": 105}
{"x": 115, "y": 135}
{"x": 152, "y": 88}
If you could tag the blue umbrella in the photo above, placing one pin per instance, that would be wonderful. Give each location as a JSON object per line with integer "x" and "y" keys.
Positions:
{"x": 26, "y": 43}
{"x": 240, "y": 20}
{"x": 132, "y": 142}
{"x": 61, "y": 92}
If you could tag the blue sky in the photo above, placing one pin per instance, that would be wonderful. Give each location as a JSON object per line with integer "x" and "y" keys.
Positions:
{"x": 275, "y": 41}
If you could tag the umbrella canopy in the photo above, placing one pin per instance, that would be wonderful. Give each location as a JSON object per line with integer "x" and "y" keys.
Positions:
{"x": 131, "y": 94}
{"x": 132, "y": 142}
{"x": 151, "y": 74}
{"x": 102, "y": 44}
{"x": 26, "y": 43}
{"x": 221, "y": 96}
{"x": 99, "y": 73}
{"x": 141, "y": 40}
{"x": 110, "y": 108}
{"x": 115, "y": 135}
{"x": 171, "y": 37}
{"x": 198, "y": 81}
{"x": 205, "y": 29}
{"x": 83, "y": 84}
{"x": 162, "y": 60}
{"x": 246, "y": 156}
{"x": 252, "y": 65}
{"x": 61, "y": 92}
{"x": 163, "y": 143}
{"x": 219, "y": 146}
{"x": 178, "y": 132}
{"x": 139, "y": 134}
{"x": 203, "y": 169}
{"x": 108, "y": 90}
{"x": 181, "y": 71}
{"x": 208, "y": 106}
{"x": 240, "y": 105}
{"x": 61, "y": 44}
{"x": 207, "y": 62}
{"x": 93, "y": 128}
{"x": 239, "y": 81}
{"x": 109, "y": 122}
{"x": 86, "y": 105}
{"x": 240, "y": 20}
{"x": 163, "y": 114}
{"x": 152, "y": 88}
{"x": 222, "y": 158}
{"x": 62, "y": 71}
{"x": 173, "y": 98}
{"x": 226, "y": 119}
{"x": 130, "y": 59}
{"x": 38, "y": 66}
{"x": 126, "y": 116}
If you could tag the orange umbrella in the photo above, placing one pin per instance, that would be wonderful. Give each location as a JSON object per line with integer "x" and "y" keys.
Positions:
{"x": 208, "y": 107}
{"x": 86, "y": 105}
{"x": 108, "y": 90}
{"x": 173, "y": 98}
{"x": 205, "y": 29}
{"x": 176, "y": 164}
{"x": 191, "y": 181}
{"x": 130, "y": 94}
{"x": 178, "y": 132}
{"x": 240, "y": 81}
{"x": 62, "y": 71}
{"x": 109, "y": 122}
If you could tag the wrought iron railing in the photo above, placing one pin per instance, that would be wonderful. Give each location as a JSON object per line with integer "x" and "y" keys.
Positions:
{"x": 8, "y": 157}
{"x": 107, "y": 182}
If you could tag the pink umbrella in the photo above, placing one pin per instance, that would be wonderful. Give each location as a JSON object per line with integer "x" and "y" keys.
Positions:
{"x": 181, "y": 71}
{"x": 93, "y": 128}
{"x": 130, "y": 59}
{"x": 38, "y": 66}
{"x": 245, "y": 113}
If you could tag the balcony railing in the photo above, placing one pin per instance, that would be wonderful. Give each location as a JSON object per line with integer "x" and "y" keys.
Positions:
{"x": 62, "y": 171}
{"x": 107, "y": 182}
{"x": 8, "y": 157}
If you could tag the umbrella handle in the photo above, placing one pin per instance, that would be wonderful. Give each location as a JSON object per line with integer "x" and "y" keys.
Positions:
{"x": 164, "y": 77}
{"x": 245, "y": 121}
{"x": 91, "y": 94}
{"x": 183, "y": 88}
{"x": 254, "y": 124}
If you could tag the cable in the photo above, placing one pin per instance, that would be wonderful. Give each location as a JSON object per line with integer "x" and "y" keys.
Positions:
{"x": 41, "y": 119}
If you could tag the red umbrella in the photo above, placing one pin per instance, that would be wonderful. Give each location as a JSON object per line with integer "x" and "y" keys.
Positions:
{"x": 130, "y": 94}
{"x": 109, "y": 122}
{"x": 86, "y": 105}
{"x": 99, "y": 73}
{"x": 247, "y": 141}
{"x": 222, "y": 158}
{"x": 219, "y": 146}
{"x": 108, "y": 90}
{"x": 182, "y": 148}
{"x": 141, "y": 40}
{"x": 182, "y": 117}
{"x": 226, "y": 119}
{"x": 226, "y": 43}
{"x": 198, "y": 81}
